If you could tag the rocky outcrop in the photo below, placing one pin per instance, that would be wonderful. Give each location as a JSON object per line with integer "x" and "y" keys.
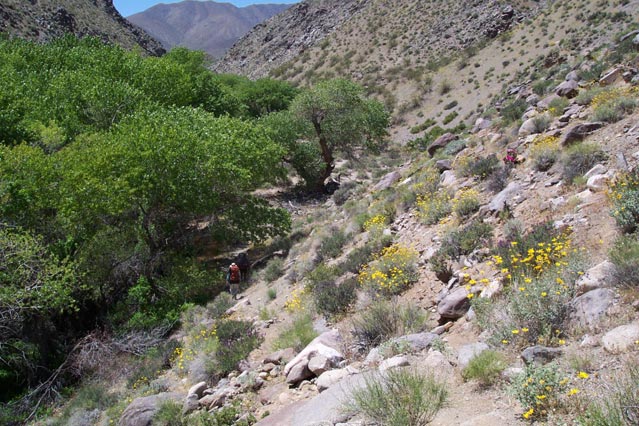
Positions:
{"x": 141, "y": 411}
{"x": 326, "y": 345}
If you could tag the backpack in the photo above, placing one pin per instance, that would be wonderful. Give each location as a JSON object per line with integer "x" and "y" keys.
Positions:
{"x": 234, "y": 274}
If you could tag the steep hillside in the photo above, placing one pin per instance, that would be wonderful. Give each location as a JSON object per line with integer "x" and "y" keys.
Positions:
{"x": 208, "y": 26}
{"x": 43, "y": 20}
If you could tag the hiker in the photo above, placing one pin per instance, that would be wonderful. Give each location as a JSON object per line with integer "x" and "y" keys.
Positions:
{"x": 243, "y": 262}
{"x": 233, "y": 278}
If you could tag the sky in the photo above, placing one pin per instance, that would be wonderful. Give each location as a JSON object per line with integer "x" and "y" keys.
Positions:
{"x": 129, "y": 7}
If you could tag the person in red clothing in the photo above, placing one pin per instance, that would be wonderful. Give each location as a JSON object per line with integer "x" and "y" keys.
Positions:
{"x": 233, "y": 278}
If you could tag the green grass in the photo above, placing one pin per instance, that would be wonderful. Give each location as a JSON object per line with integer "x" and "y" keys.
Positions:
{"x": 297, "y": 335}
{"x": 485, "y": 368}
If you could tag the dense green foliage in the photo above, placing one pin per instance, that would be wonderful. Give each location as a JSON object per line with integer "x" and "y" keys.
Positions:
{"x": 108, "y": 160}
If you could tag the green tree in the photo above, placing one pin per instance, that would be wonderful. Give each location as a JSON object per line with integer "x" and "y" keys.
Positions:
{"x": 342, "y": 120}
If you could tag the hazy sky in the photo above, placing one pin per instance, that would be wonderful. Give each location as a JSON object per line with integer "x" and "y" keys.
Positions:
{"x": 129, "y": 7}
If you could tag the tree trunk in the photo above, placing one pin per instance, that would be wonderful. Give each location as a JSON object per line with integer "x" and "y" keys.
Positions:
{"x": 327, "y": 156}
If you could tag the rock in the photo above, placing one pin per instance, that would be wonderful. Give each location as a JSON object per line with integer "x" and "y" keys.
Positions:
{"x": 191, "y": 403}
{"x": 481, "y": 124}
{"x": 280, "y": 357}
{"x": 454, "y": 305}
{"x": 528, "y": 127}
{"x": 587, "y": 309}
{"x": 198, "y": 389}
{"x": 557, "y": 203}
{"x": 270, "y": 394}
{"x": 511, "y": 372}
{"x": 579, "y": 132}
{"x": 437, "y": 363}
{"x": 611, "y": 77}
{"x": 267, "y": 368}
{"x": 621, "y": 339}
{"x": 532, "y": 99}
{"x": 597, "y": 183}
{"x": 319, "y": 364}
{"x": 83, "y": 417}
{"x": 540, "y": 354}
{"x": 589, "y": 342}
{"x": 448, "y": 179}
{"x": 598, "y": 276}
{"x": 443, "y": 165}
{"x": 545, "y": 102}
{"x": 141, "y": 411}
{"x": 468, "y": 352}
{"x": 325, "y": 344}
{"x": 598, "y": 169}
{"x": 441, "y": 142}
{"x": 394, "y": 362}
{"x": 387, "y": 181}
{"x": 329, "y": 378}
{"x": 505, "y": 197}
{"x": 417, "y": 341}
{"x": 567, "y": 89}
{"x": 374, "y": 357}
{"x": 572, "y": 76}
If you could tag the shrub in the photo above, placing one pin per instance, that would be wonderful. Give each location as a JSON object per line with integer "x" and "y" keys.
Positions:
{"x": 538, "y": 389}
{"x": 218, "y": 307}
{"x": 400, "y": 397}
{"x": 454, "y": 147}
{"x": 333, "y": 299}
{"x": 450, "y": 117}
{"x": 580, "y": 158}
{"x": 236, "y": 341}
{"x": 544, "y": 152}
{"x": 464, "y": 240}
{"x": 498, "y": 179}
{"x": 271, "y": 293}
{"x": 513, "y": 111}
{"x": 616, "y": 404}
{"x": 392, "y": 270}
{"x": 170, "y": 414}
{"x": 585, "y": 97}
{"x": 466, "y": 203}
{"x": 274, "y": 269}
{"x": 481, "y": 167}
{"x": 432, "y": 208}
{"x": 557, "y": 106}
{"x": 383, "y": 320}
{"x": 331, "y": 245}
{"x": 450, "y": 105}
{"x": 541, "y": 123}
{"x": 485, "y": 368}
{"x": 625, "y": 256}
{"x": 612, "y": 105}
{"x": 343, "y": 192}
{"x": 298, "y": 335}
{"x": 624, "y": 195}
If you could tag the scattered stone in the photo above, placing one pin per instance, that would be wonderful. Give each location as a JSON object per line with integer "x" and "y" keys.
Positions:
{"x": 505, "y": 197}
{"x": 280, "y": 357}
{"x": 198, "y": 389}
{"x": 319, "y": 364}
{"x": 271, "y": 394}
{"x": 579, "y": 132}
{"x": 589, "y": 342}
{"x": 611, "y": 77}
{"x": 454, "y": 305}
{"x": 572, "y": 76}
{"x": 297, "y": 373}
{"x": 191, "y": 403}
{"x": 417, "y": 341}
{"x": 441, "y": 142}
{"x": 545, "y": 102}
{"x": 437, "y": 363}
{"x": 599, "y": 169}
{"x": 528, "y": 127}
{"x": 468, "y": 352}
{"x": 588, "y": 308}
{"x": 374, "y": 356}
{"x": 598, "y": 276}
{"x": 396, "y": 361}
{"x": 329, "y": 378}
{"x": 621, "y": 339}
{"x": 443, "y": 165}
{"x": 567, "y": 89}
{"x": 540, "y": 354}
{"x": 598, "y": 183}
{"x": 387, "y": 181}
{"x": 325, "y": 344}
{"x": 448, "y": 179}
{"x": 141, "y": 411}
{"x": 481, "y": 124}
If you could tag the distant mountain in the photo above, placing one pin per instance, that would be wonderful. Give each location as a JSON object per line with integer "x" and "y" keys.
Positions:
{"x": 203, "y": 25}
{"x": 43, "y": 20}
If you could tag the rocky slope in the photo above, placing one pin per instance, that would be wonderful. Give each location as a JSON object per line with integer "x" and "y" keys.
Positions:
{"x": 208, "y": 26}
{"x": 43, "y": 20}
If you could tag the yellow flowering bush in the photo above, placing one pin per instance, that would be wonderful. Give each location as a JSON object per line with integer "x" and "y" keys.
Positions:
{"x": 433, "y": 207}
{"x": 392, "y": 270}
{"x": 466, "y": 203}
{"x": 613, "y": 104}
{"x": 539, "y": 389}
{"x": 624, "y": 197}
{"x": 544, "y": 152}
{"x": 294, "y": 302}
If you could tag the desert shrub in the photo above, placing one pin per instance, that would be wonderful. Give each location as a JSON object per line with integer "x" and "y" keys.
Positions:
{"x": 343, "y": 193}
{"x": 432, "y": 208}
{"x": 400, "y": 397}
{"x": 541, "y": 87}
{"x": 333, "y": 299}
{"x": 423, "y": 126}
{"x": 466, "y": 203}
{"x": 236, "y": 341}
{"x": 544, "y": 152}
{"x": 616, "y": 404}
{"x": 463, "y": 240}
{"x": 450, "y": 117}
{"x": 480, "y": 167}
{"x": 557, "y": 106}
{"x": 454, "y": 147}
{"x": 274, "y": 269}
{"x": 541, "y": 123}
{"x": 624, "y": 196}
{"x": 585, "y": 97}
{"x": 331, "y": 245}
{"x": 147, "y": 367}
{"x": 170, "y": 414}
{"x": 450, "y": 105}
{"x": 538, "y": 389}
{"x": 624, "y": 254}
{"x": 218, "y": 307}
{"x": 513, "y": 111}
{"x": 391, "y": 271}
{"x": 485, "y": 367}
{"x": 428, "y": 138}
{"x": 298, "y": 335}
{"x": 612, "y": 105}
{"x": 580, "y": 158}
{"x": 385, "y": 319}
{"x": 271, "y": 293}
{"x": 498, "y": 179}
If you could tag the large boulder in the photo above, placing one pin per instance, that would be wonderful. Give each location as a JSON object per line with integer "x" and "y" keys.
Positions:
{"x": 387, "y": 181}
{"x": 587, "y": 309}
{"x": 468, "y": 352}
{"x": 280, "y": 357}
{"x": 454, "y": 305}
{"x": 441, "y": 142}
{"x": 601, "y": 275}
{"x": 326, "y": 345}
{"x": 622, "y": 339}
{"x": 504, "y": 198}
{"x": 394, "y": 362}
{"x": 612, "y": 76}
{"x": 567, "y": 89}
{"x": 141, "y": 411}
{"x": 329, "y": 378}
{"x": 579, "y": 132}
